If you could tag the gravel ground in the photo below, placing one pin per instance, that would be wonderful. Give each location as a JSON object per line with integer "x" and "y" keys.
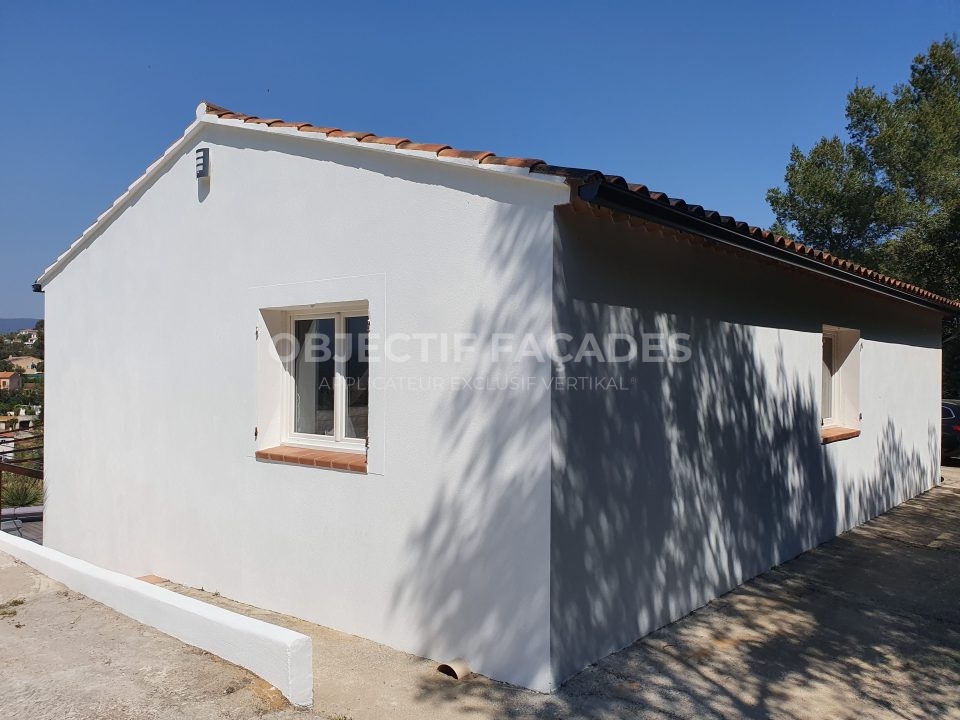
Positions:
{"x": 66, "y": 656}
{"x": 866, "y": 626}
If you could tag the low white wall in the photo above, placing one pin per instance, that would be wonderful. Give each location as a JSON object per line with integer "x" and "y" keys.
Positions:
{"x": 282, "y": 657}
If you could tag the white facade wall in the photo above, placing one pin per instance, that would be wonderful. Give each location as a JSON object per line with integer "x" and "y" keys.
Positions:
{"x": 700, "y": 475}
{"x": 402, "y": 555}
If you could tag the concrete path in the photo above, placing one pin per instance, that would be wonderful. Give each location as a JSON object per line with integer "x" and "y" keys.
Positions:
{"x": 65, "y": 656}
{"x": 866, "y": 626}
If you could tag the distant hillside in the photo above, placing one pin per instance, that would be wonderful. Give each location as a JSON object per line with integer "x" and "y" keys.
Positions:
{"x": 8, "y": 325}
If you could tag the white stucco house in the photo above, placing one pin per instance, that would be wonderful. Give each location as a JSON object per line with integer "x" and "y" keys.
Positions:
{"x": 437, "y": 486}
{"x": 28, "y": 336}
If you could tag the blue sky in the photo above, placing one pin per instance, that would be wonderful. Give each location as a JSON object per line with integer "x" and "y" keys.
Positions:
{"x": 700, "y": 100}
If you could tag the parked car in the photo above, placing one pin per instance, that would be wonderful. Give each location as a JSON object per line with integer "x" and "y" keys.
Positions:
{"x": 950, "y": 428}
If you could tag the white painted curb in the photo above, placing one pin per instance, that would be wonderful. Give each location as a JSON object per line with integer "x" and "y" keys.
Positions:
{"x": 282, "y": 657}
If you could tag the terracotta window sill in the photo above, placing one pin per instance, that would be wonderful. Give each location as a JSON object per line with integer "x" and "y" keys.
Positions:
{"x": 835, "y": 434}
{"x": 354, "y": 462}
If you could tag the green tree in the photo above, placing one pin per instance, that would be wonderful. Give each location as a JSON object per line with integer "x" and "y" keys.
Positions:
{"x": 833, "y": 200}
{"x": 37, "y": 349}
{"x": 893, "y": 187}
{"x": 888, "y": 195}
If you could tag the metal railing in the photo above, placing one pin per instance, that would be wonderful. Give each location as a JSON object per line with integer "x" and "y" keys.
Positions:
{"x": 21, "y": 456}
{"x": 21, "y": 453}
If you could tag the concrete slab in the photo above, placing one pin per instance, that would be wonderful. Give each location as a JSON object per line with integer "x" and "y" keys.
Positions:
{"x": 66, "y": 656}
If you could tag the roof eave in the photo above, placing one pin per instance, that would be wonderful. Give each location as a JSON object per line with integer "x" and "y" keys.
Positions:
{"x": 620, "y": 199}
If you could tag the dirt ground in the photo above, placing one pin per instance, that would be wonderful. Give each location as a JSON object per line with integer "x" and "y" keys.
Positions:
{"x": 866, "y": 626}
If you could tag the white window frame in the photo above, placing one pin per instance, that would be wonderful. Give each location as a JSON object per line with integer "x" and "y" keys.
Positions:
{"x": 830, "y": 416}
{"x": 339, "y": 312}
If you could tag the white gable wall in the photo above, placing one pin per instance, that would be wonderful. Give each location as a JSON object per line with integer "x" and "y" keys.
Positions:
{"x": 403, "y": 555}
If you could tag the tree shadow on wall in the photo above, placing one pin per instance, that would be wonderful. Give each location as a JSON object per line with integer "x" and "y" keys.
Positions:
{"x": 665, "y": 494}
{"x": 493, "y": 510}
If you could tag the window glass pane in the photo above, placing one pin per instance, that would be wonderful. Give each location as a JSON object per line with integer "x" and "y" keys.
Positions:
{"x": 313, "y": 374}
{"x": 826, "y": 396}
{"x": 357, "y": 377}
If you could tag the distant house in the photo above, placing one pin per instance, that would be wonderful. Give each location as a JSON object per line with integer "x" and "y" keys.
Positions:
{"x": 529, "y": 509}
{"x": 22, "y": 421}
{"x": 10, "y": 381}
{"x": 28, "y": 337}
{"x": 26, "y": 363}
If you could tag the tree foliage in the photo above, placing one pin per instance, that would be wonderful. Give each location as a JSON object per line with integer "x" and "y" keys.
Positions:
{"x": 30, "y": 394}
{"x": 894, "y": 185}
{"x": 832, "y": 199}
{"x": 888, "y": 195}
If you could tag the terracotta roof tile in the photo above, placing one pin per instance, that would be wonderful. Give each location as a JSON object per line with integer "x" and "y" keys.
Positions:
{"x": 288, "y": 124}
{"x": 377, "y": 140}
{"x": 511, "y": 161}
{"x": 581, "y": 175}
{"x": 423, "y": 147}
{"x": 349, "y": 134}
{"x": 477, "y": 155}
{"x": 213, "y": 109}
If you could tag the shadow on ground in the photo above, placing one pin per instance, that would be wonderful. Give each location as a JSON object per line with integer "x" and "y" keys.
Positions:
{"x": 866, "y": 625}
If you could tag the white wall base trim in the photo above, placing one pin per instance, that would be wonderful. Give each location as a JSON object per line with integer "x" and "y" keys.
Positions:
{"x": 282, "y": 657}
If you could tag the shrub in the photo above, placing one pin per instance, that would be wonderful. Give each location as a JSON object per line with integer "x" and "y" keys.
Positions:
{"x": 20, "y": 491}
